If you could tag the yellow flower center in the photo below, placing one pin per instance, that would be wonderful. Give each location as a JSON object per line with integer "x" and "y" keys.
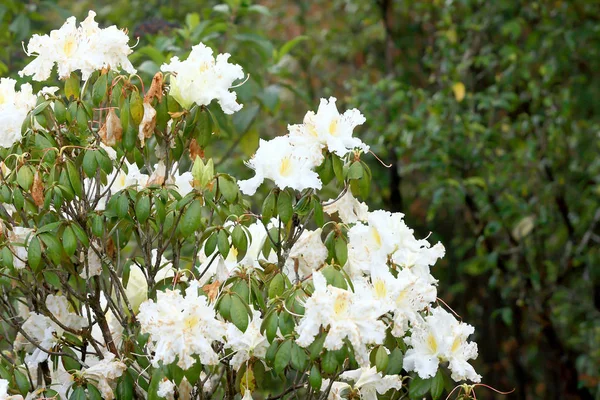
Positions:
{"x": 204, "y": 66}
{"x": 191, "y": 321}
{"x": 70, "y": 46}
{"x": 285, "y": 166}
{"x": 455, "y": 345}
{"x": 432, "y": 344}
{"x": 333, "y": 127}
{"x": 376, "y": 236}
{"x": 312, "y": 130}
{"x": 2, "y": 99}
{"x": 380, "y": 288}
{"x": 340, "y": 305}
{"x": 401, "y": 297}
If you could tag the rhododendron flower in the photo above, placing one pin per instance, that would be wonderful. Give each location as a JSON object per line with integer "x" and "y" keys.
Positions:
{"x": 285, "y": 164}
{"x": 201, "y": 78}
{"x": 166, "y": 389}
{"x": 307, "y": 254}
{"x": 86, "y": 48}
{"x": 14, "y": 106}
{"x": 440, "y": 337}
{"x": 345, "y": 314}
{"x": 404, "y": 295}
{"x": 4, "y": 392}
{"x": 181, "y": 327}
{"x": 246, "y": 344}
{"x": 44, "y": 332}
{"x": 58, "y": 305}
{"x": 19, "y": 238}
{"x": 104, "y": 374}
{"x": 328, "y": 128}
{"x": 369, "y": 382}
{"x": 348, "y": 208}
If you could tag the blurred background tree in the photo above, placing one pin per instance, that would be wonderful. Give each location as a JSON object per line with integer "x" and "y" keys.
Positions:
{"x": 487, "y": 112}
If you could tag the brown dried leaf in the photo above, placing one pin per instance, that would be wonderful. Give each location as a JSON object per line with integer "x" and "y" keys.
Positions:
{"x": 212, "y": 290}
{"x": 156, "y": 89}
{"x": 37, "y": 190}
{"x": 196, "y": 150}
{"x": 148, "y": 123}
{"x": 112, "y": 131}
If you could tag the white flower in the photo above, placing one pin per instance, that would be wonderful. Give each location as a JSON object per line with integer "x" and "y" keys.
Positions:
{"x": 338, "y": 391}
{"x": 285, "y": 164}
{"x": 14, "y": 106}
{"x": 19, "y": 238}
{"x": 385, "y": 234}
{"x": 94, "y": 265}
{"x": 44, "y": 332}
{"x": 4, "y": 392}
{"x": 246, "y": 344}
{"x": 348, "y": 208}
{"x": 201, "y": 79}
{"x": 369, "y": 382}
{"x": 330, "y": 129}
{"x": 308, "y": 252}
{"x": 183, "y": 183}
{"x": 345, "y": 314}
{"x": 58, "y": 305}
{"x": 181, "y": 326}
{"x": 104, "y": 374}
{"x": 137, "y": 288}
{"x": 166, "y": 389}
{"x": 86, "y": 48}
{"x": 440, "y": 337}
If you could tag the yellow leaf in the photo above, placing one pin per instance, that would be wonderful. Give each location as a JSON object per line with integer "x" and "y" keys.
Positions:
{"x": 459, "y": 91}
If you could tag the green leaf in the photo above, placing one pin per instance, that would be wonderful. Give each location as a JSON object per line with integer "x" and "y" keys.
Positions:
{"x": 338, "y": 168}
{"x": 239, "y": 240}
{"x": 395, "y": 361}
{"x": 99, "y": 90}
{"x": 329, "y": 362}
{"x": 93, "y": 393}
{"x": 239, "y": 313}
{"x": 98, "y": 225}
{"x": 223, "y": 243}
{"x": 228, "y": 188}
{"x": 315, "y": 347}
{"x": 125, "y": 387}
{"x": 283, "y": 356}
{"x": 355, "y": 171}
{"x": 437, "y": 385}
{"x": 34, "y": 254}
{"x": 191, "y": 220}
{"x": 72, "y": 87}
{"x": 69, "y": 241}
{"x": 142, "y": 208}
{"x": 211, "y": 244}
{"x": 122, "y": 205}
{"x": 381, "y": 359}
{"x": 341, "y": 250}
{"x": 268, "y": 207}
{"x": 271, "y": 326}
{"x": 136, "y": 107}
{"x": 318, "y": 214}
{"x": 419, "y": 388}
{"x": 204, "y": 128}
{"x": 288, "y": 46}
{"x": 277, "y": 286}
{"x": 25, "y": 177}
{"x": 78, "y": 394}
{"x": 299, "y": 358}
{"x": 74, "y": 178}
{"x": 284, "y": 206}
{"x": 53, "y": 247}
{"x": 90, "y": 164}
{"x": 315, "y": 379}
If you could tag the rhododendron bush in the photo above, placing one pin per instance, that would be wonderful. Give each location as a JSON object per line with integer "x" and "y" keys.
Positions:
{"x": 132, "y": 267}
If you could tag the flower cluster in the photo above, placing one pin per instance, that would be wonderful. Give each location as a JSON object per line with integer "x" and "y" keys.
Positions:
{"x": 86, "y": 48}
{"x": 201, "y": 78}
{"x": 14, "y": 106}
{"x": 290, "y": 160}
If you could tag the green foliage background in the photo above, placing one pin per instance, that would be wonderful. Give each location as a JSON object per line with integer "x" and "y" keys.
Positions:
{"x": 508, "y": 177}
